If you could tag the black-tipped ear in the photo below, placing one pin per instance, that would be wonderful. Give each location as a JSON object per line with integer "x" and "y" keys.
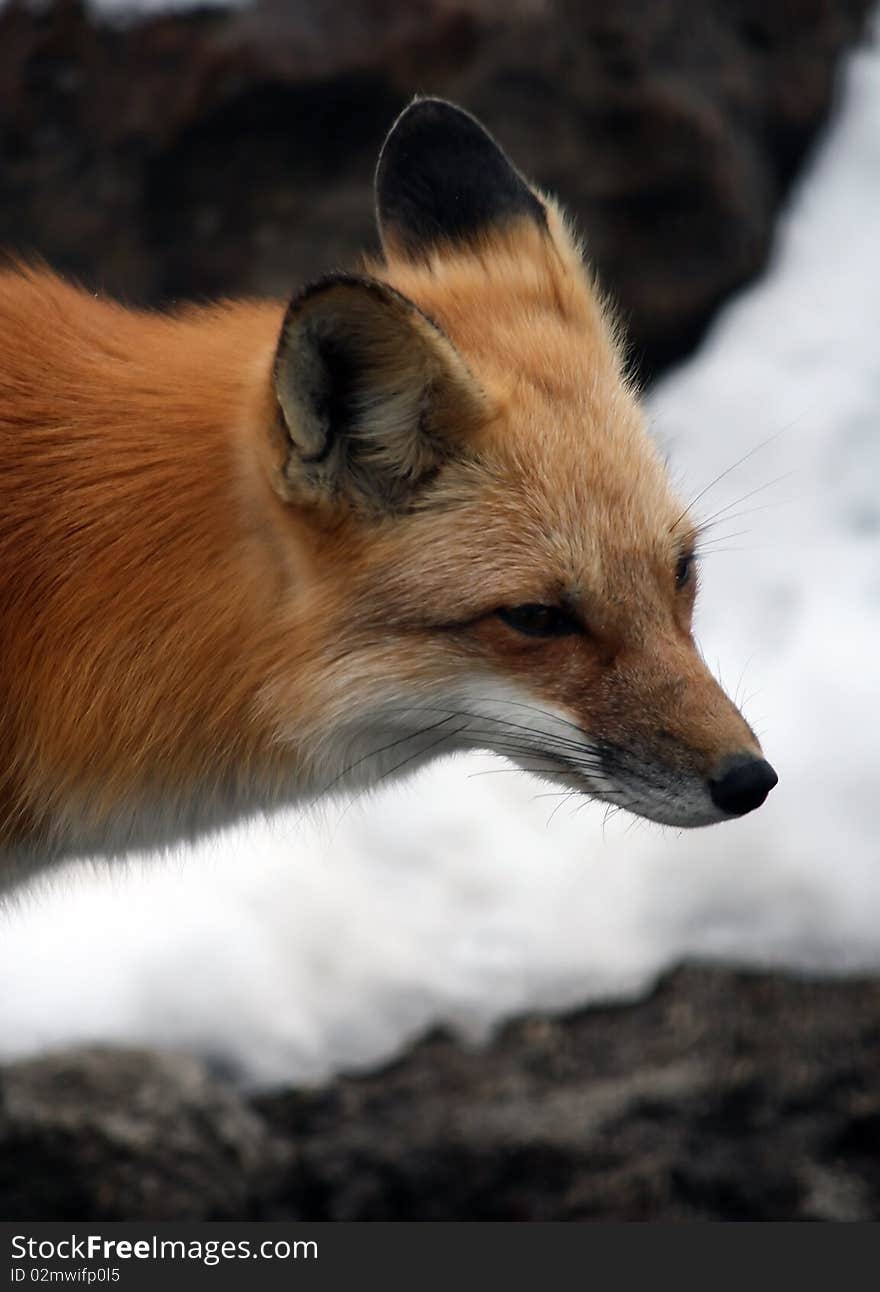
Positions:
{"x": 373, "y": 395}
{"x": 441, "y": 178}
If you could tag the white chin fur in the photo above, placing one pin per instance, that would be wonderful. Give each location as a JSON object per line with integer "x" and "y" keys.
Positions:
{"x": 686, "y": 811}
{"x": 400, "y": 735}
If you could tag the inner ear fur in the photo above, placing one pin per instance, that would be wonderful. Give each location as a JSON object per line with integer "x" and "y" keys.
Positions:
{"x": 373, "y": 395}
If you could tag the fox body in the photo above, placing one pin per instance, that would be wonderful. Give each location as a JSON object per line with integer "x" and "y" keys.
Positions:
{"x": 254, "y": 551}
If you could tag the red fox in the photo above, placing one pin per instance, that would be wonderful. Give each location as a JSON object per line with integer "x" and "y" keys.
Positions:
{"x": 251, "y": 552}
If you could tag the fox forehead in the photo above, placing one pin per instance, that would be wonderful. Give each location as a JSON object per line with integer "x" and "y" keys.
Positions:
{"x": 519, "y": 543}
{"x": 562, "y": 492}
{"x": 509, "y": 527}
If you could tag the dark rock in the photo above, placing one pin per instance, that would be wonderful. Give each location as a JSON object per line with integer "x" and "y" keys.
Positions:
{"x": 111, "y": 1135}
{"x": 221, "y": 152}
{"x": 722, "y": 1095}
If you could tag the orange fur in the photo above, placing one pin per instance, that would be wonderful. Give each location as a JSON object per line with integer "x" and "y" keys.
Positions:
{"x": 184, "y": 640}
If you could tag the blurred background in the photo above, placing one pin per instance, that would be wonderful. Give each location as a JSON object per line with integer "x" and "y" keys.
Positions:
{"x": 321, "y": 1003}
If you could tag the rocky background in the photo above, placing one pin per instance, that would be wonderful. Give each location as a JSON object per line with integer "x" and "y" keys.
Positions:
{"x": 230, "y": 152}
{"x": 723, "y": 1096}
{"x": 227, "y": 152}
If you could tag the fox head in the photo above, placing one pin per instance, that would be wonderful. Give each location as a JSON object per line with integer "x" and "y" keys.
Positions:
{"x": 489, "y": 552}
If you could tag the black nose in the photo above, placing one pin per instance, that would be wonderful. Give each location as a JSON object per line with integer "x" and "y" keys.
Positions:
{"x": 742, "y": 784}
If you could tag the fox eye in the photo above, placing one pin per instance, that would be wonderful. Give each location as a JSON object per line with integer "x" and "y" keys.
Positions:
{"x": 684, "y": 570}
{"x": 539, "y": 621}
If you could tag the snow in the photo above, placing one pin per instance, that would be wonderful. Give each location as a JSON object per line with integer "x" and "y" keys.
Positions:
{"x": 290, "y": 949}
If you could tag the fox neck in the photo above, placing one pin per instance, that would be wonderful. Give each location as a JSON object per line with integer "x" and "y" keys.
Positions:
{"x": 149, "y": 548}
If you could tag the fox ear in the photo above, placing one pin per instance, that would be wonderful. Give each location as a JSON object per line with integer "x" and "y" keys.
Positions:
{"x": 373, "y": 395}
{"x": 442, "y": 178}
